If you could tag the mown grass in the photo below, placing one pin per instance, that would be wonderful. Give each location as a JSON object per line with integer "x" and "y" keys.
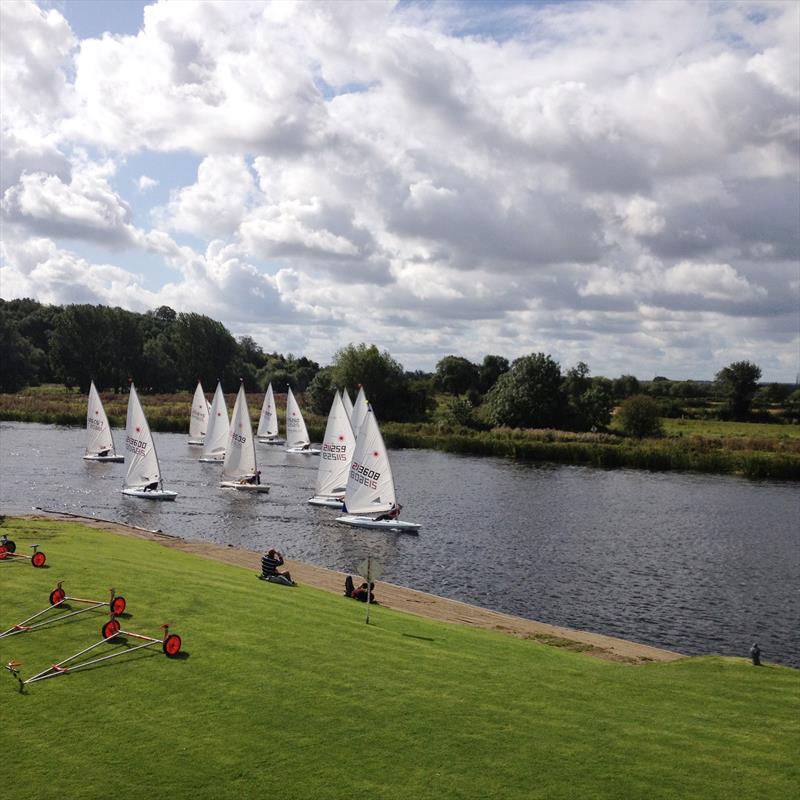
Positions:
{"x": 288, "y": 691}
{"x": 753, "y": 450}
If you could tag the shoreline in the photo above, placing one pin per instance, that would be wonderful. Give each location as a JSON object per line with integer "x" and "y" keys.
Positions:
{"x": 397, "y": 598}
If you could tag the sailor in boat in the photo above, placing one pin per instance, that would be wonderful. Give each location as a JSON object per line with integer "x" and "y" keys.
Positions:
{"x": 151, "y": 487}
{"x": 255, "y": 480}
{"x": 102, "y": 454}
{"x": 392, "y": 513}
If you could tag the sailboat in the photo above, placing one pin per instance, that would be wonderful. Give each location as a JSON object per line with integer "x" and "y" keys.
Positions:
{"x": 334, "y": 461}
{"x": 99, "y": 441}
{"x": 217, "y": 432}
{"x": 360, "y": 408}
{"x": 348, "y": 403}
{"x": 268, "y": 421}
{"x": 143, "y": 478}
{"x": 198, "y": 421}
{"x": 297, "y": 437}
{"x": 369, "y": 499}
{"x": 239, "y": 471}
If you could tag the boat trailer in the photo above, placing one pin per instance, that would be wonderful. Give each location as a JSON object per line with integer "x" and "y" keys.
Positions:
{"x": 59, "y": 599}
{"x": 170, "y": 644}
{"x": 8, "y": 552}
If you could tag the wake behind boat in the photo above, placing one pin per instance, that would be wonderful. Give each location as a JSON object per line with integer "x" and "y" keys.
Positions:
{"x": 370, "y": 500}
{"x": 267, "y": 432}
{"x": 217, "y": 433}
{"x": 334, "y": 461}
{"x": 100, "y": 442}
{"x": 239, "y": 470}
{"x": 143, "y": 478}
{"x": 297, "y": 437}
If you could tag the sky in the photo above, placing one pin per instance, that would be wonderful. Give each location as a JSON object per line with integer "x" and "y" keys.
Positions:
{"x": 612, "y": 183}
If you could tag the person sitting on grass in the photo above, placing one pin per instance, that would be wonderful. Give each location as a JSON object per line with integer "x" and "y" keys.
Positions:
{"x": 270, "y": 562}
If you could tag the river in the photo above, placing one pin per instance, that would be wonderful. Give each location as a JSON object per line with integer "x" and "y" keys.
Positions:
{"x": 695, "y": 563}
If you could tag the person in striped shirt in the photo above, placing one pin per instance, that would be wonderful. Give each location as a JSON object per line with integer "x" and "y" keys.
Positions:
{"x": 270, "y": 562}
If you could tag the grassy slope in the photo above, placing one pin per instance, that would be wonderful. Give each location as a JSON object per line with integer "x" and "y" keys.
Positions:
{"x": 289, "y": 687}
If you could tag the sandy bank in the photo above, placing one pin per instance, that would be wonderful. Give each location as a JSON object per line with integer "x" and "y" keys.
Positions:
{"x": 402, "y": 599}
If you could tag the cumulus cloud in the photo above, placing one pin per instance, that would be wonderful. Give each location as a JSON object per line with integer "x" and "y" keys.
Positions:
{"x": 598, "y": 180}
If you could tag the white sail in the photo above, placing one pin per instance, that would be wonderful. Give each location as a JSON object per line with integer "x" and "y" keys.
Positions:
{"x": 268, "y": 421}
{"x": 370, "y": 484}
{"x": 348, "y": 403}
{"x": 360, "y": 408}
{"x": 296, "y": 431}
{"x": 98, "y": 432}
{"x": 139, "y": 447}
{"x": 337, "y": 451}
{"x": 198, "y": 421}
{"x": 217, "y": 432}
{"x": 240, "y": 455}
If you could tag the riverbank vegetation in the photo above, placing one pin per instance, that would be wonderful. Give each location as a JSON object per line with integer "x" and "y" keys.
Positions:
{"x": 324, "y": 706}
{"x": 527, "y": 409}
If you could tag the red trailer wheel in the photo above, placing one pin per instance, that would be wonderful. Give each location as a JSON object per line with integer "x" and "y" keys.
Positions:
{"x": 118, "y": 605}
{"x": 111, "y": 628}
{"x": 38, "y": 559}
{"x": 10, "y": 546}
{"x": 172, "y": 644}
{"x": 3, "y": 552}
{"x": 56, "y": 596}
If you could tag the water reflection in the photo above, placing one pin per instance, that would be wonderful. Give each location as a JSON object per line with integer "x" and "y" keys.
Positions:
{"x": 695, "y": 563}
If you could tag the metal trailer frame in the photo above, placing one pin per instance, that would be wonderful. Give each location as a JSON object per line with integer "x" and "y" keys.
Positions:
{"x": 58, "y": 598}
{"x": 8, "y": 550}
{"x": 170, "y": 644}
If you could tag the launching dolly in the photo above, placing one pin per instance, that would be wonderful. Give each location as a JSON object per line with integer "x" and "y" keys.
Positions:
{"x": 8, "y": 552}
{"x": 170, "y": 644}
{"x": 59, "y": 599}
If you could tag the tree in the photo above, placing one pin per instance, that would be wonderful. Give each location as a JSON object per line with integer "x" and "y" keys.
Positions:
{"x": 17, "y": 357}
{"x": 383, "y": 378}
{"x": 739, "y": 382}
{"x": 625, "y": 386}
{"x": 319, "y": 394}
{"x": 590, "y": 399}
{"x": 490, "y": 370}
{"x": 639, "y": 415}
{"x": 205, "y": 350}
{"x": 456, "y": 375}
{"x": 529, "y": 395}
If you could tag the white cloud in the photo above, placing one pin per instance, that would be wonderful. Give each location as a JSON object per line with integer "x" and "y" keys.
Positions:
{"x": 145, "y": 183}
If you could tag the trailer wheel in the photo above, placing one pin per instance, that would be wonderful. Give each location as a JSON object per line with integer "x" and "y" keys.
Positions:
{"x": 10, "y": 545}
{"x": 38, "y": 559}
{"x": 56, "y": 596}
{"x": 172, "y": 644}
{"x": 3, "y": 552}
{"x": 118, "y": 605}
{"x": 111, "y": 628}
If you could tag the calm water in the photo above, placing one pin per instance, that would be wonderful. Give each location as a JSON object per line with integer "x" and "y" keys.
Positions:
{"x": 698, "y": 564}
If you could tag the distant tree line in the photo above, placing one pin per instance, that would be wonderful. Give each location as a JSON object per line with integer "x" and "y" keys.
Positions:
{"x": 165, "y": 351}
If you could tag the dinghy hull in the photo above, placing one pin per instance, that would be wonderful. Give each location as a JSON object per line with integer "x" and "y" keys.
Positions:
{"x": 268, "y": 440}
{"x": 245, "y": 487}
{"x": 159, "y": 494}
{"x": 300, "y": 452}
{"x": 195, "y": 442}
{"x": 327, "y": 502}
{"x": 114, "y": 459}
{"x": 211, "y": 460}
{"x": 356, "y": 521}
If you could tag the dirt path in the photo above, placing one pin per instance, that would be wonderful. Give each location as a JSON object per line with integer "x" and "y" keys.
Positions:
{"x": 403, "y": 599}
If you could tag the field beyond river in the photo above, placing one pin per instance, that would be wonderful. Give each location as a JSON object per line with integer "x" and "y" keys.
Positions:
{"x": 752, "y": 450}
{"x": 289, "y": 686}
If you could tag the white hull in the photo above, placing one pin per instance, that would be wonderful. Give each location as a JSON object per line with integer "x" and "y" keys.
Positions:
{"x": 268, "y": 440}
{"x": 357, "y": 521}
{"x": 244, "y": 487}
{"x": 158, "y": 494}
{"x": 114, "y": 459}
{"x": 210, "y": 460}
{"x": 300, "y": 452}
{"x": 196, "y": 442}
{"x": 328, "y": 502}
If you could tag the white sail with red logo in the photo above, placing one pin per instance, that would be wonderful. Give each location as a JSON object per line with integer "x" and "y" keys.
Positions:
{"x": 239, "y": 470}
{"x": 360, "y": 408}
{"x": 297, "y": 438}
{"x": 217, "y": 432}
{"x": 348, "y": 403}
{"x": 198, "y": 420}
{"x": 369, "y": 499}
{"x": 334, "y": 460}
{"x": 268, "y": 421}
{"x": 143, "y": 478}
{"x": 99, "y": 441}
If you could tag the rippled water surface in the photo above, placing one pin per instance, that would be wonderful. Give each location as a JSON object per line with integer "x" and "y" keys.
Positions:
{"x": 698, "y": 564}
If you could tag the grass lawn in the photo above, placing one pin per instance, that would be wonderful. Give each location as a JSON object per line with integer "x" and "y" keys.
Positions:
{"x": 724, "y": 430}
{"x": 287, "y": 692}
